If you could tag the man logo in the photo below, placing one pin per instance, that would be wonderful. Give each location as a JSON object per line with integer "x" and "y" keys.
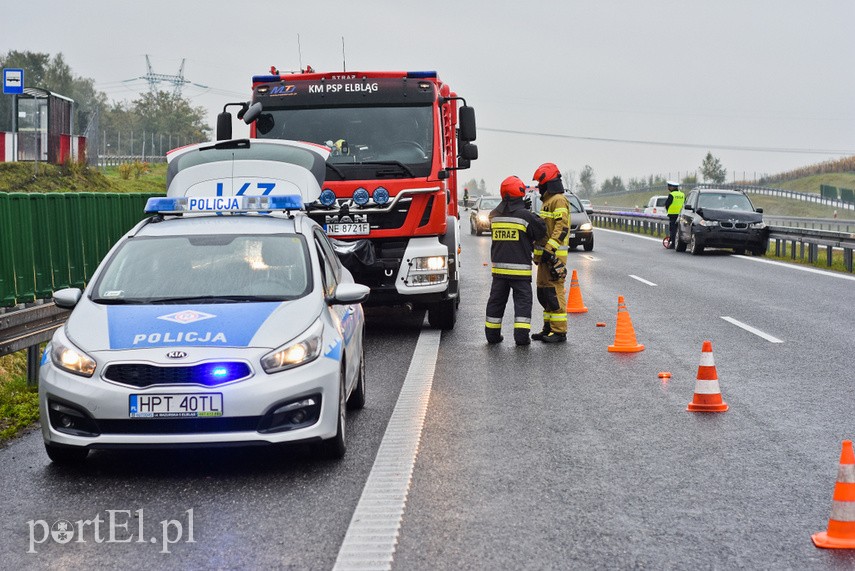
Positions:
{"x": 176, "y": 354}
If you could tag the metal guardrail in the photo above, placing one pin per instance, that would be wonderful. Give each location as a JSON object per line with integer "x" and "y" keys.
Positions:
{"x": 26, "y": 328}
{"x": 801, "y": 243}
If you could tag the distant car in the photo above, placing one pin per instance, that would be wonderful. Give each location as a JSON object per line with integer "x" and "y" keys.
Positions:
{"x": 720, "y": 218}
{"x": 581, "y": 229}
{"x": 479, "y": 220}
{"x": 589, "y": 208}
{"x": 656, "y": 205}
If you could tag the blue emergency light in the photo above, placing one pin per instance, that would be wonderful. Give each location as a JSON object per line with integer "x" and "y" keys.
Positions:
{"x": 213, "y": 204}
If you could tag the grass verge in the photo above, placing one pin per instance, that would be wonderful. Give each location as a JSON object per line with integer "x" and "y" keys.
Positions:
{"x": 19, "y": 404}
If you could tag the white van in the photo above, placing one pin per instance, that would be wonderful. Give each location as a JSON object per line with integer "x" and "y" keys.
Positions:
{"x": 656, "y": 205}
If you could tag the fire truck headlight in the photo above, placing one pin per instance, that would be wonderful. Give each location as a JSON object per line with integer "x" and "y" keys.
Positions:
{"x": 360, "y": 196}
{"x": 327, "y": 197}
{"x": 381, "y": 196}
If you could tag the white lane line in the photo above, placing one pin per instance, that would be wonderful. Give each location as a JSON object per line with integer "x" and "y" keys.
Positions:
{"x": 753, "y": 330}
{"x": 642, "y": 280}
{"x": 798, "y": 267}
{"x": 372, "y": 536}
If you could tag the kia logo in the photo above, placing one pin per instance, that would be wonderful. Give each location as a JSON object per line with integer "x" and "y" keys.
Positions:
{"x": 176, "y": 354}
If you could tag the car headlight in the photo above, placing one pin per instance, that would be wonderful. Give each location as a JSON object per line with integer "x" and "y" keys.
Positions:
{"x": 586, "y": 226}
{"x": 482, "y": 217}
{"x": 758, "y": 225}
{"x": 299, "y": 351}
{"x": 69, "y": 358}
{"x": 708, "y": 222}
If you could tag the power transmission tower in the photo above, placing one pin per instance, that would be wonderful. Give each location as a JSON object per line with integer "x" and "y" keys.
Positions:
{"x": 155, "y": 79}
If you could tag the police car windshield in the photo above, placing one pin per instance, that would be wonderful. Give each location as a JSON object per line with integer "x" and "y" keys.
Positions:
{"x": 361, "y": 138}
{"x": 206, "y": 269}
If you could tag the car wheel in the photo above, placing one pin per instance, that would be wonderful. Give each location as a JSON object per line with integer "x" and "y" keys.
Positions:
{"x": 443, "y": 315}
{"x": 679, "y": 245}
{"x": 739, "y": 251}
{"x": 66, "y": 454}
{"x": 472, "y": 229}
{"x": 335, "y": 447}
{"x": 759, "y": 251}
{"x": 588, "y": 246}
{"x": 357, "y": 397}
{"x": 695, "y": 248}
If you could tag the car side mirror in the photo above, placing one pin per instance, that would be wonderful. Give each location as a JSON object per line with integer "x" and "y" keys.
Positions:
{"x": 67, "y": 298}
{"x": 688, "y": 207}
{"x": 758, "y": 210}
{"x": 346, "y": 294}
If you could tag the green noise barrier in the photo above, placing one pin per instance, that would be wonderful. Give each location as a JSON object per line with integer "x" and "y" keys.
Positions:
{"x": 50, "y": 241}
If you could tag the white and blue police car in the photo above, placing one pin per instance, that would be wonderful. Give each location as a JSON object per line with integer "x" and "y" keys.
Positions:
{"x": 224, "y": 318}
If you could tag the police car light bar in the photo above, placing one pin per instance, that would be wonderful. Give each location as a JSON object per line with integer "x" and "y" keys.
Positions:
{"x": 182, "y": 204}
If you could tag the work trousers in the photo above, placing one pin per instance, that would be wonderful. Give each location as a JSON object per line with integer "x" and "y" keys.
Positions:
{"x": 672, "y": 227}
{"x": 550, "y": 295}
{"x": 499, "y": 292}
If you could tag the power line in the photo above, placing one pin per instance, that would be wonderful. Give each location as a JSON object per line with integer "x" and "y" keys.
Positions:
{"x": 668, "y": 144}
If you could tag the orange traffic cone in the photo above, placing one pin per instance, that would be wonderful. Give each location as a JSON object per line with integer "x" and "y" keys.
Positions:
{"x": 841, "y": 525}
{"x": 574, "y": 298}
{"x": 707, "y": 392}
{"x": 625, "y": 341}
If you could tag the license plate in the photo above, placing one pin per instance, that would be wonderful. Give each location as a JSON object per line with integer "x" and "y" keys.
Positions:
{"x": 350, "y": 229}
{"x": 176, "y": 405}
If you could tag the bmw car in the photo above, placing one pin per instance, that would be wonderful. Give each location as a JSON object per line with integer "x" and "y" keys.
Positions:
{"x": 219, "y": 320}
{"x": 721, "y": 218}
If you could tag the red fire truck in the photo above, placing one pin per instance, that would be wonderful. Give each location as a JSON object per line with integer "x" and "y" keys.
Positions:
{"x": 390, "y": 196}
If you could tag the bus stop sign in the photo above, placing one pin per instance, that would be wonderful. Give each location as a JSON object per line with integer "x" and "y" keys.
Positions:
{"x": 13, "y": 81}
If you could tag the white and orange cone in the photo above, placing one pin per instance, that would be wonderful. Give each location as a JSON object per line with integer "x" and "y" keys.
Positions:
{"x": 841, "y": 525}
{"x": 707, "y": 392}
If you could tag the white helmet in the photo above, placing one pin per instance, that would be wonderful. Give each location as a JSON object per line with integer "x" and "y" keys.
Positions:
{"x": 671, "y": 183}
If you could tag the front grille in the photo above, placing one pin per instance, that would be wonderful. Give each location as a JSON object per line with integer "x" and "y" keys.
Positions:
{"x": 736, "y": 225}
{"x": 178, "y": 425}
{"x": 208, "y": 374}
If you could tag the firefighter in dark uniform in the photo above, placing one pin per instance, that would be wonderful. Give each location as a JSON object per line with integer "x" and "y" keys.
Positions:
{"x": 673, "y": 204}
{"x": 550, "y": 254}
{"x": 515, "y": 230}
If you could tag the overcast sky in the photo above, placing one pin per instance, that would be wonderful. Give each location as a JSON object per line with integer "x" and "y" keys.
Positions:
{"x": 698, "y": 75}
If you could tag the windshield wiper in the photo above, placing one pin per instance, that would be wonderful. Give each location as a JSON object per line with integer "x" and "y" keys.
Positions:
{"x": 116, "y": 301}
{"x": 336, "y": 170}
{"x": 404, "y": 167}
{"x": 212, "y": 299}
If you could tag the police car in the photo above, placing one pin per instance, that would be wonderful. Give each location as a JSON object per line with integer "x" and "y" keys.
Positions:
{"x": 224, "y": 318}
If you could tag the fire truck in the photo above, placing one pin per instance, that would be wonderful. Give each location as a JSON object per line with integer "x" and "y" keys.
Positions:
{"x": 389, "y": 199}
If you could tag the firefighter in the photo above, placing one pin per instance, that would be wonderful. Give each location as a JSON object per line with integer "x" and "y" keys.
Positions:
{"x": 673, "y": 204}
{"x": 550, "y": 254}
{"x": 515, "y": 230}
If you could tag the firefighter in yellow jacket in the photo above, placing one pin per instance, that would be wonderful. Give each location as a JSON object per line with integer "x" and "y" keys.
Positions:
{"x": 550, "y": 254}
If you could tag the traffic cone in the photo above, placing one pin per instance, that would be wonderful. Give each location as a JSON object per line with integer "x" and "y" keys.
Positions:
{"x": 841, "y": 525}
{"x": 625, "y": 341}
{"x": 707, "y": 392}
{"x": 574, "y": 298}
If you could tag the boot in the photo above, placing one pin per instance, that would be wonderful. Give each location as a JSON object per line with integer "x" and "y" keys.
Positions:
{"x": 542, "y": 334}
{"x": 496, "y": 338}
{"x": 555, "y": 338}
{"x": 521, "y": 337}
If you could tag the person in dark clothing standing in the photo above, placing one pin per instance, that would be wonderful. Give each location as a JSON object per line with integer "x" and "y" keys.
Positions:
{"x": 514, "y": 229}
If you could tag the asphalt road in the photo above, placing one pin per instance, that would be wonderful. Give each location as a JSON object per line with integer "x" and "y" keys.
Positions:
{"x": 545, "y": 457}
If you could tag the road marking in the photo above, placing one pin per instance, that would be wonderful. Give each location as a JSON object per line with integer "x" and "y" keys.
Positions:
{"x": 750, "y": 258}
{"x": 750, "y": 329}
{"x": 372, "y": 536}
{"x": 642, "y": 280}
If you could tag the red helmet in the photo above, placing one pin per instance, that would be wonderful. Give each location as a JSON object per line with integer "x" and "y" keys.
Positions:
{"x": 545, "y": 173}
{"x": 512, "y": 187}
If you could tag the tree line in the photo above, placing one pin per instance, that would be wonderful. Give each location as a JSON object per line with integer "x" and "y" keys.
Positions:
{"x": 151, "y": 112}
